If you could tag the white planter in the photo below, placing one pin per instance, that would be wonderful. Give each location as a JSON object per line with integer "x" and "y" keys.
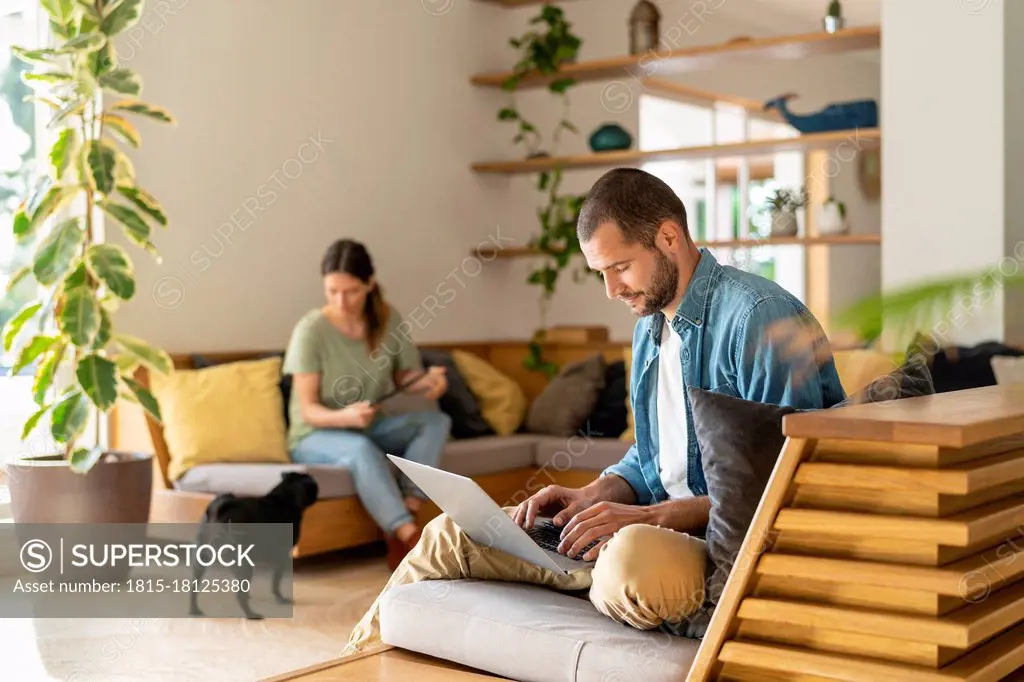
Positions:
{"x": 784, "y": 224}
{"x": 831, "y": 221}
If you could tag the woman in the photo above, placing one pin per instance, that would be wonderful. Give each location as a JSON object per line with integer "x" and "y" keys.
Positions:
{"x": 342, "y": 358}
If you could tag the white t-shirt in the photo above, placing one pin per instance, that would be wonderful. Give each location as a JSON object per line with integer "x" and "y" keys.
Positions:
{"x": 672, "y": 427}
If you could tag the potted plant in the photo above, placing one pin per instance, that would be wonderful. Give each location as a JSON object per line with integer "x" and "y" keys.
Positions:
{"x": 833, "y": 20}
{"x": 832, "y": 217}
{"x": 783, "y": 204}
{"x": 83, "y": 366}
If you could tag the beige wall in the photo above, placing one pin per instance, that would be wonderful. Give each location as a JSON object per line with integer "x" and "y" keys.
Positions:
{"x": 254, "y": 198}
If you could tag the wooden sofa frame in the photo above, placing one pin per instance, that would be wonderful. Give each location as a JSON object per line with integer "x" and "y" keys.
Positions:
{"x": 341, "y": 523}
{"x": 888, "y": 545}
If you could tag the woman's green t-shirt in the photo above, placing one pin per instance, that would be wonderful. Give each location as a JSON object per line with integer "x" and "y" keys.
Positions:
{"x": 348, "y": 371}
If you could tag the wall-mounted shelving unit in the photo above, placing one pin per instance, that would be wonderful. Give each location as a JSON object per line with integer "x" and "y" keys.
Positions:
{"x": 732, "y": 164}
{"x": 823, "y": 240}
{"x": 511, "y": 4}
{"x": 862, "y": 138}
{"x": 799, "y": 46}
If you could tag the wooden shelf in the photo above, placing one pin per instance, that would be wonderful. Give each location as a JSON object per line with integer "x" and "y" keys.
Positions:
{"x": 862, "y": 137}
{"x": 827, "y": 240}
{"x": 515, "y": 3}
{"x": 705, "y": 57}
{"x": 680, "y": 92}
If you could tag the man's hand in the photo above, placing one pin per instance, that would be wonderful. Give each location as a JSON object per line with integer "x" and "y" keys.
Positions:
{"x": 552, "y": 499}
{"x": 599, "y": 521}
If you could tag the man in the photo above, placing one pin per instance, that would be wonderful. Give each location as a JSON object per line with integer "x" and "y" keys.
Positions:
{"x": 701, "y": 324}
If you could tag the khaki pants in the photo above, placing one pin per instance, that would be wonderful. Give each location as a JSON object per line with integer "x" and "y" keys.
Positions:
{"x": 643, "y": 577}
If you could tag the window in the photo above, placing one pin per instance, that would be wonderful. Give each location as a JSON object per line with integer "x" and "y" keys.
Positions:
{"x": 721, "y": 202}
{"x": 22, "y": 150}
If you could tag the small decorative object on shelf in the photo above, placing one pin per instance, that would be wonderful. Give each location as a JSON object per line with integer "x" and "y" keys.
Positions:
{"x": 643, "y": 28}
{"x": 782, "y": 204}
{"x": 841, "y": 116}
{"x": 869, "y": 173}
{"x": 832, "y": 217}
{"x": 834, "y": 21}
{"x": 610, "y": 137}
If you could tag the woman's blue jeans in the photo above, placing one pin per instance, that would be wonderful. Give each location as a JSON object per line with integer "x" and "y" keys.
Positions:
{"x": 416, "y": 436}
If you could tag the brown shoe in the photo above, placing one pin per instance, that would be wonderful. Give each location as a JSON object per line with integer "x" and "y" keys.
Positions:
{"x": 398, "y": 549}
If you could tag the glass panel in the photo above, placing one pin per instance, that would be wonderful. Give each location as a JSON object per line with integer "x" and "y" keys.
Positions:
{"x": 19, "y": 154}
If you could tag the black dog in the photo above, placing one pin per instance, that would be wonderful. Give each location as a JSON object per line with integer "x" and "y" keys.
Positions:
{"x": 286, "y": 503}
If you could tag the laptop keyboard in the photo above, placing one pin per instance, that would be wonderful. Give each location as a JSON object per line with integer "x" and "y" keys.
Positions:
{"x": 548, "y": 535}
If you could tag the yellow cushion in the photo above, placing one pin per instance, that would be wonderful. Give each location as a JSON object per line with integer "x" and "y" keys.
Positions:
{"x": 502, "y": 402}
{"x": 630, "y": 433}
{"x": 858, "y": 368}
{"x": 226, "y": 413}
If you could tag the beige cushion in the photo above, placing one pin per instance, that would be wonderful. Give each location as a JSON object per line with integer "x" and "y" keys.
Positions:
{"x": 596, "y": 454}
{"x": 568, "y": 399}
{"x": 525, "y": 632}
{"x": 489, "y": 454}
{"x": 255, "y": 480}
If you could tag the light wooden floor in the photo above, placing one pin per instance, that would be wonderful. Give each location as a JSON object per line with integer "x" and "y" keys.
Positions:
{"x": 396, "y": 665}
{"x": 331, "y": 591}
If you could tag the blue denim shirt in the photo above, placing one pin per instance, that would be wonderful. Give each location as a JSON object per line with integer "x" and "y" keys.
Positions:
{"x": 722, "y": 320}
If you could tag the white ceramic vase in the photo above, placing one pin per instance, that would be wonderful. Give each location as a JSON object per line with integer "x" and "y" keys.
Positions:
{"x": 830, "y": 220}
{"x": 784, "y": 224}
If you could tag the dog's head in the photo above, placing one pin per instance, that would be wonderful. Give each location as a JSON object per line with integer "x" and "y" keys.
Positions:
{"x": 301, "y": 488}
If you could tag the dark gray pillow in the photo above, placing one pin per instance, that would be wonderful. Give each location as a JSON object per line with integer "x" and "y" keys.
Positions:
{"x": 568, "y": 399}
{"x": 740, "y": 442}
{"x": 458, "y": 402}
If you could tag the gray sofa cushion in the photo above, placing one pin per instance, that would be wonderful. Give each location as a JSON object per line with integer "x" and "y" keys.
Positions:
{"x": 257, "y": 479}
{"x": 577, "y": 452}
{"x": 528, "y": 633}
{"x": 488, "y": 455}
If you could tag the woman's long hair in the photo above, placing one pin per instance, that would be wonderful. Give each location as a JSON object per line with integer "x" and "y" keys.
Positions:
{"x": 352, "y": 258}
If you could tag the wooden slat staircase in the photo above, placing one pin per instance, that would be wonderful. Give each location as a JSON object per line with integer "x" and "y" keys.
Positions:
{"x": 889, "y": 545}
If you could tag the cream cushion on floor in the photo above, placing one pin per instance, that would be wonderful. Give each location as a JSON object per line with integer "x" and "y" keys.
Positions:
{"x": 528, "y": 633}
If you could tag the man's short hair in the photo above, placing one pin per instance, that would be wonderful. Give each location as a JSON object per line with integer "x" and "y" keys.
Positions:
{"x": 636, "y": 201}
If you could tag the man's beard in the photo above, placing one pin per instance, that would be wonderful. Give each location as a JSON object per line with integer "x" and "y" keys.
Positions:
{"x": 662, "y": 288}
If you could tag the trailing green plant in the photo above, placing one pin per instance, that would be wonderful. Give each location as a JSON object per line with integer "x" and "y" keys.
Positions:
{"x": 81, "y": 280}
{"x": 542, "y": 54}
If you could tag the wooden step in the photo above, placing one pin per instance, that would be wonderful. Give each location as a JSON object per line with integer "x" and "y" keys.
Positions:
{"x": 825, "y": 591}
{"x": 730, "y": 672}
{"x": 959, "y": 479}
{"x": 961, "y": 629}
{"x": 955, "y": 420}
{"x": 867, "y": 548}
{"x": 968, "y": 578}
{"x": 850, "y": 643}
{"x": 993, "y": 661}
{"x": 988, "y": 522}
{"x": 914, "y": 455}
{"x": 908, "y": 503}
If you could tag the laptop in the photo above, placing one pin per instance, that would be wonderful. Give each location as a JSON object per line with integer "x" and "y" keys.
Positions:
{"x": 485, "y": 522}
